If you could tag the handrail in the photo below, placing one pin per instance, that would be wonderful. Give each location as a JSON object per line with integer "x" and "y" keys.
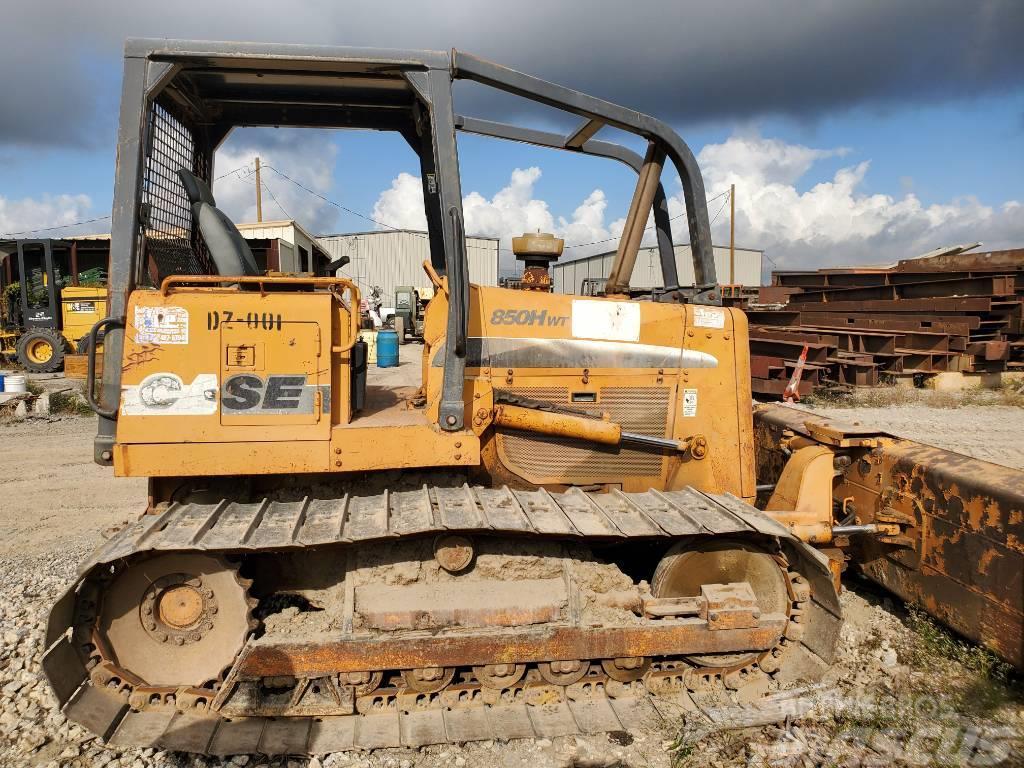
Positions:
{"x": 90, "y": 380}
{"x": 171, "y": 280}
{"x": 356, "y": 298}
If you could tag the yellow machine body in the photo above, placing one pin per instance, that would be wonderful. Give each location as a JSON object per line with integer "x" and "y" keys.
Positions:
{"x": 81, "y": 307}
{"x": 260, "y": 383}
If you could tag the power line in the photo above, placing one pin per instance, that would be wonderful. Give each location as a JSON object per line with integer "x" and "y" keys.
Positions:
{"x": 59, "y": 226}
{"x": 276, "y": 201}
{"x": 98, "y": 218}
{"x": 724, "y": 203}
{"x": 356, "y": 213}
{"x": 329, "y": 201}
{"x": 646, "y": 229}
{"x": 235, "y": 171}
{"x": 385, "y": 225}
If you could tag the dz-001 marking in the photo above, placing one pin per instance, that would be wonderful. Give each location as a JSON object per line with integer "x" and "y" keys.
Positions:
{"x": 268, "y": 321}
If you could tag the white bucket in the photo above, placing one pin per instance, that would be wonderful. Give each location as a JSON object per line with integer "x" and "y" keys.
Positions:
{"x": 15, "y": 383}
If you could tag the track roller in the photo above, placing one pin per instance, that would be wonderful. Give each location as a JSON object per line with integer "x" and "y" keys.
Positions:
{"x": 563, "y": 672}
{"x": 428, "y": 679}
{"x": 499, "y": 676}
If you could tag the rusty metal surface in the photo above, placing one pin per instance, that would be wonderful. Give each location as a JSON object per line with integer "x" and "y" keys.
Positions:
{"x": 731, "y": 606}
{"x": 960, "y": 550}
{"x": 1002, "y": 285}
{"x": 408, "y": 651}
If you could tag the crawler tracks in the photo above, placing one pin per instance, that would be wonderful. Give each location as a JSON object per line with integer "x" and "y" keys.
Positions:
{"x": 265, "y": 694}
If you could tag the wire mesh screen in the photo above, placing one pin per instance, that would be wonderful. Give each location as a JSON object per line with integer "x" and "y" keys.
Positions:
{"x": 171, "y": 245}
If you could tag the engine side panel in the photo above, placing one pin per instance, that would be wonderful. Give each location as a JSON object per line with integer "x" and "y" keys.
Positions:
{"x": 664, "y": 370}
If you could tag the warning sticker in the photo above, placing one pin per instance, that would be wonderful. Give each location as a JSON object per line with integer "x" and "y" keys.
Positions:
{"x": 689, "y": 402}
{"x": 709, "y": 317}
{"x": 161, "y": 325}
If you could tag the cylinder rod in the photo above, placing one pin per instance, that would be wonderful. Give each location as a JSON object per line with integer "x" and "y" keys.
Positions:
{"x": 850, "y": 530}
{"x": 656, "y": 442}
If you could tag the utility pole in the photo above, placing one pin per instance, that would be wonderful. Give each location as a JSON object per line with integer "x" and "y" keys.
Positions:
{"x": 732, "y": 230}
{"x": 259, "y": 193}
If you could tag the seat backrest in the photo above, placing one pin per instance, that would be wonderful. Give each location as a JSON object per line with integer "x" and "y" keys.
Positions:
{"x": 228, "y": 249}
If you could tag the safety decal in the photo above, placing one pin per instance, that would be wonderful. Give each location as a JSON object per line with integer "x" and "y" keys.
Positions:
{"x": 606, "y": 320}
{"x": 165, "y": 394}
{"x": 689, "y": 402}
{"x": 708, "y": 317}
{"x": 161, "y": 325}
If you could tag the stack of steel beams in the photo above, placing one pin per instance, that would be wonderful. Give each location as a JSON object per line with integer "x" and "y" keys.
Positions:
{"x": 952, "y": 312}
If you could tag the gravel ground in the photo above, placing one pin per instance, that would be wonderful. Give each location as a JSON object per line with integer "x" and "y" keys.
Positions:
{"x": 990, "y": 432}
{"x": 896, "y": 675}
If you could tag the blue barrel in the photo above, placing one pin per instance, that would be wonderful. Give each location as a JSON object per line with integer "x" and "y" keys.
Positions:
{"x": 387, "y": 349}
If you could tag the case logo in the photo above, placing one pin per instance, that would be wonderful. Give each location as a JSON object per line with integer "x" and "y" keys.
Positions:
{"x": 276, "y": 394}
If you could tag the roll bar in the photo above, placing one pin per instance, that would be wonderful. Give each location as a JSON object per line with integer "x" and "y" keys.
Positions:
{"x": 212, "y": 87}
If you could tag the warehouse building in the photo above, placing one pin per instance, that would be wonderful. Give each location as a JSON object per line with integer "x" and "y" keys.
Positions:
{"x": 277, "y": 246}
{"x": 390, "y": 258}
{"x": 569, "y": 276}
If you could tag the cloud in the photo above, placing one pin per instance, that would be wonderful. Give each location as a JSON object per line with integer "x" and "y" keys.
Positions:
{"x": 683, "y": 61}
{"x": 835, "y": 221}
{"x": 513, "y": 210}
{"x": 23, "y": 215}
{"x": 401, "y": 205}
{"x": 306, "y": 156}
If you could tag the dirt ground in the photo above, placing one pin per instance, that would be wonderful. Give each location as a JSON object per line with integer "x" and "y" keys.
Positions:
{"x": 51, "y": 490}
{"x": 897, "y": 674}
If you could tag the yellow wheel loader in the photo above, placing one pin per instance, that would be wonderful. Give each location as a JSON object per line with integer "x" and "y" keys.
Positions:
{"x": 553, "y": 524}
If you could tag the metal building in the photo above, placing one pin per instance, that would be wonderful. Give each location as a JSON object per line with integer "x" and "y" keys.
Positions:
{"x": 390, "y": 258}
{"x": 284, "y": 246}
{"x": 568, "y": 276}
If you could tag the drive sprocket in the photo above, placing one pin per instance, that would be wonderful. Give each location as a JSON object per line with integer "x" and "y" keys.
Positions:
{"x": 175, "y": 619}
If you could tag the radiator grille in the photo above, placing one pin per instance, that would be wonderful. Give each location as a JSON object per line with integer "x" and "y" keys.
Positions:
{"x": 170, "y": 243}
{"x": 544, "y": 459}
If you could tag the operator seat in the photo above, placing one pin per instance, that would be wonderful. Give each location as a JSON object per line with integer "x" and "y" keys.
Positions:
{"x": 228, "y": 249}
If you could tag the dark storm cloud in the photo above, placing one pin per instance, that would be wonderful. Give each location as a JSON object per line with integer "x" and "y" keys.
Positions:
{"x": 683, "y": 61}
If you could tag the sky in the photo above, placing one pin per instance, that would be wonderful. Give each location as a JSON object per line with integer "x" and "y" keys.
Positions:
{"x": 855, "y": 133}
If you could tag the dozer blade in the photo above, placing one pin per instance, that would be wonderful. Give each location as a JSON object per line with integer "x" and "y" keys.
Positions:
{"x": 959, "y": 549}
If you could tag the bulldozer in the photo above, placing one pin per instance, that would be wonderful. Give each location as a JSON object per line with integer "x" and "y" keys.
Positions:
{"x": 558, "y": 521}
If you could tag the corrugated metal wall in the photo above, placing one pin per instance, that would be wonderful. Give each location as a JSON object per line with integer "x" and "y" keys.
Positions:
{"x": 569, "y": 276}
{"x": 393, "y": 258}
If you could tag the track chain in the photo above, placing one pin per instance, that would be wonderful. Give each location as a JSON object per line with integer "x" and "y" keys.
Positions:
{"x": 121, "y": 708}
